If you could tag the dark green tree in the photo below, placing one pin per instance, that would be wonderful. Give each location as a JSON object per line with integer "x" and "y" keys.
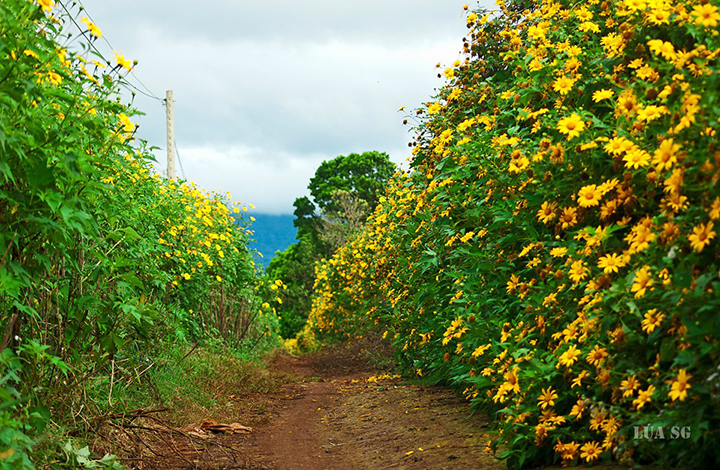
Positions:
{"x": 343, "y": 191}
{"x": 296, "y": 268}
{"x": 363, "y": 175}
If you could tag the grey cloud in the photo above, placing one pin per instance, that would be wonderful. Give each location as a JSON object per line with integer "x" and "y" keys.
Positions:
{"x": 267, "y": 90}
{"x": 317, "y": 20}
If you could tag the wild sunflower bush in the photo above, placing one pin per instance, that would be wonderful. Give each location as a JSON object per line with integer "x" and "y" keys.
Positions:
{"x": 101, "y": 259}
{"x": 553, "y": 249}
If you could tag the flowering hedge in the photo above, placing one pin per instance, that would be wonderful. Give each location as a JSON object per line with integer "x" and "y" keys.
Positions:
{"x": 101, "y": 260}
{"x": 553, "y": 251}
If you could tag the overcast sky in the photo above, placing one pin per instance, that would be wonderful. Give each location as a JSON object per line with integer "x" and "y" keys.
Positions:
{"x": 265, "y": 91}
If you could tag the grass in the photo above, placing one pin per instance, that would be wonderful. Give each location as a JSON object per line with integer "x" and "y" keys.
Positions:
{"x": 198, "y": 383}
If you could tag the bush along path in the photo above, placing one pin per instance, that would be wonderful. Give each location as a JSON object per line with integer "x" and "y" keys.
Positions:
{"x": 553, "y": 250}
{"x": 104, "y": 265}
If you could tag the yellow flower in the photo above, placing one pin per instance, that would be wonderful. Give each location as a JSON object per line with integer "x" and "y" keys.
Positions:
{"x": 571, "y": 126}
{"x": 578, "y": 271}
{"x": 589, "y": 26}
{"x": 186, "y": 276}
{"x": 664, "y": 157}
{"x": 627, "y": 103}
{"x": 578, "y": 409}
{"x": 660, "y": 14}
{"x": 547, "y": 212}
{"x": 558, "y": 252}
{"x": 613, "y": 43}
{"x": 512, "y": 283}
{"x": 577, "y": 381}
{"x": 662, "y": 48}
{"x": 569, "y": 357}
{"x": 467, "y": 237}
{"x": 122, "y": 61}
{"x": 611, "y": 263}
{"x": 480, "y": 350}
{"x": 128, "y": 125}
{"x": 701, "y": 236}
{"x": 92, "y": 27}
{"x": 650, "y": 113}
{"x": 618, "y": 145}
{"x": 706, "y": 15}
{"x": 563, "y": 85}
{"x": 46, "y": 5}
{"x": 434, "y": 108}
{"x": 680, "y": 386}
{"x": 589, "y": 196}
{"x": 608, "y": 186}
{"x": 568, "y": 217}
{"x": 644, "y": 396}
{"x": 219, "y": 279}
{"x": 536, "y": 32}
{"x": 602, "y": 95}
{"x": 642, "y": 281}
{"x": 590, "y": 451}
{"x": 547, "y": 398}
{"x": 628, "y": 386}
{"x": 715, "y": 209}
{"x": 635, "y": 5}
{"x": 652, "y": 320}
{"x": 512, "y": 382}
{"x": 54, "y": 78}
{"x": 636, "y": 158}
{"x": 596, "y": 356}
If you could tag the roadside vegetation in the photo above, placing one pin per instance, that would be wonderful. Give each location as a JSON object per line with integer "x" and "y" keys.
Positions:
{"x": 553, "y": 250}
{"x": 106, "y": 268}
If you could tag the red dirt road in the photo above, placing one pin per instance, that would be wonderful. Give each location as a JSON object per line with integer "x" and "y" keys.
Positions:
{"x": 340, "y": 420}
{"x": 326, "y": 415}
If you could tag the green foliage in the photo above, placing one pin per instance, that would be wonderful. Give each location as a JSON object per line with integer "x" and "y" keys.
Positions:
{"x": 14, "y": 441}
{"x": 553, "y": 252}
{"x": 295, "y": 267}
{"x": 362, "y": 174}
{"x": 80, "y": 457}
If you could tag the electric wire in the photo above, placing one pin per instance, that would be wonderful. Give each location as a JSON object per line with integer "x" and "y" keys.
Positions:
{"x": 177, "y": 152}
{"x": 82, "y": 30}
{"x": 148, "y": 93}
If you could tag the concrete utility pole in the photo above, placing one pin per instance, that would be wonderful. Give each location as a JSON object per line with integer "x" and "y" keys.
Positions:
{"x": 171, "y": 173}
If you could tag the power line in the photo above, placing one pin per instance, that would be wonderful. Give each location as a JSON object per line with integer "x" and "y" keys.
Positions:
{"x": 148, "y": 93}
{"x": 182, "y": 170}
{"x": 82, "y": 30}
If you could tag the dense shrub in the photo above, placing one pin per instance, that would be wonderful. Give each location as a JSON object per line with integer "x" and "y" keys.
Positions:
{"x": 100, "y": 258}
{"x": 553, "y": 251}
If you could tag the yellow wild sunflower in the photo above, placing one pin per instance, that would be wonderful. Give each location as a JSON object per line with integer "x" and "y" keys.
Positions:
{"x": 571, "y": 126}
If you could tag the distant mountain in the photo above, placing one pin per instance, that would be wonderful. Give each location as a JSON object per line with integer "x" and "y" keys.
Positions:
{"x": 272, "y": 233}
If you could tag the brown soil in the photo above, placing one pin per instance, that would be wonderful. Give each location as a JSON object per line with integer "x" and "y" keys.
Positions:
{"x": 327, "y": 415}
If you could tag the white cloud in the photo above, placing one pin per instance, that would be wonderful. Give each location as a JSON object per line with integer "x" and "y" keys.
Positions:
{"x": 269, "y": 182}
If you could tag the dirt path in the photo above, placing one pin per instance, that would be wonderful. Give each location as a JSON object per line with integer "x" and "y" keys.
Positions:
{"x": 328, "y": 415}
{"x": 340, "y": 420}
